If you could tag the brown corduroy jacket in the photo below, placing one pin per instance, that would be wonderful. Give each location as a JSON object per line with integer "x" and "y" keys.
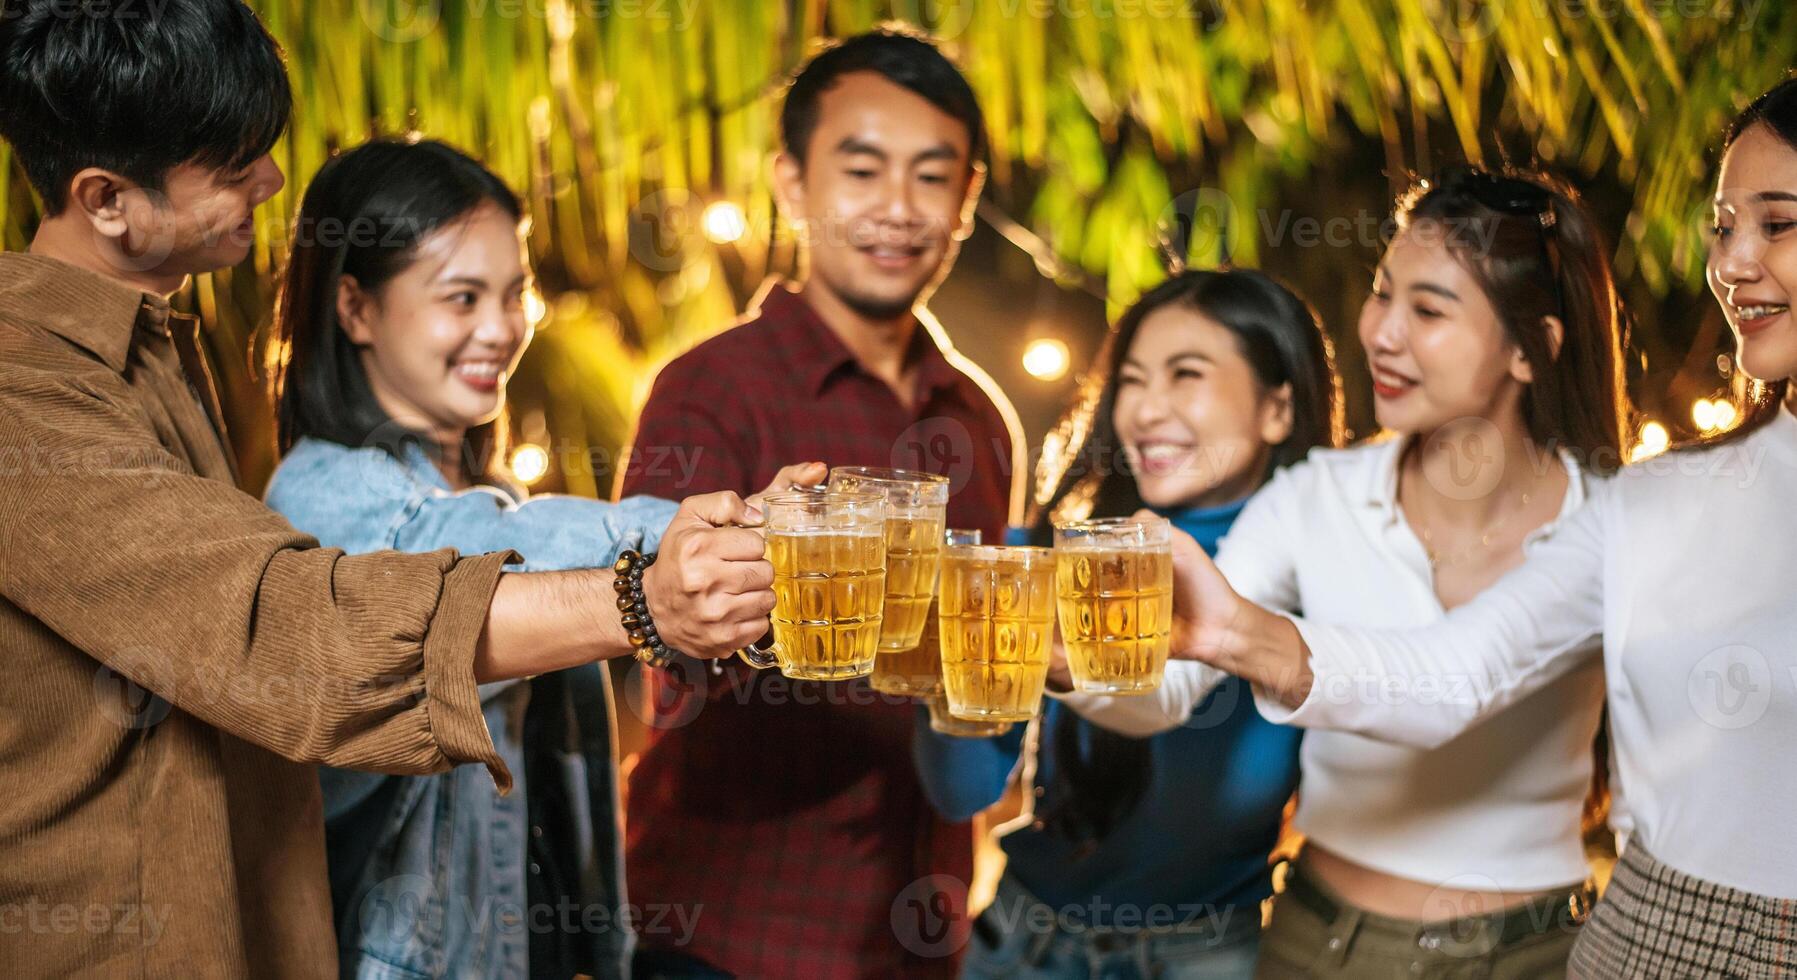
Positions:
{"x": 174, "y": 657}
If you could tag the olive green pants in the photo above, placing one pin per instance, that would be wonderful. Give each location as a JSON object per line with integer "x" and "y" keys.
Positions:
{"x": 1315, "y": 934}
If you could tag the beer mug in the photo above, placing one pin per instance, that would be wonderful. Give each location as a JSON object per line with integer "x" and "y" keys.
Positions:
{"x": 917, "y": 672}
{"x": 947, "y": 724}
{"x": 1114, "y": 590}
{"x": 997, "y": 613}
{"x": 829, "y": 556}
{"x": 916, "y": 511}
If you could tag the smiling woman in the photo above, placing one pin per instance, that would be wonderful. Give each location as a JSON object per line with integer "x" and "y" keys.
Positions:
{"x": 403, "y": 309}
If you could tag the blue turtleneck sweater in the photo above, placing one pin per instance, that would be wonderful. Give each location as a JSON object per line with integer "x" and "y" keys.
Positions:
{"x": 1196, "y": 842}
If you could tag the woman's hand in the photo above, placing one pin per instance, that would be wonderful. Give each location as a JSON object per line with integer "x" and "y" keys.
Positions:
{"x": 1060, "y": 677}
{"x": 711, "y": 588}
{"x": 1212, "y": 624}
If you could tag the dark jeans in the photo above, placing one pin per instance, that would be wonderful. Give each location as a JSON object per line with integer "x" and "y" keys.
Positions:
{"x": 1009, "y": 941}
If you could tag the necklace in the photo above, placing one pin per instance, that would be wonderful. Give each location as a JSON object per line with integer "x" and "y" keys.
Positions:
{"x": 1439, "y": 560}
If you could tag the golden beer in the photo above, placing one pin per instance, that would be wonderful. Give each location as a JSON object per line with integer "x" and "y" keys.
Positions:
{"x": 947, "y": 724}
{"x": 997, "y": 613}
{"x": 916, "y": 512}
{"x": 1114, "y": 593}
{"x": 829, "y": 558}
{"x": 917, "y": 672}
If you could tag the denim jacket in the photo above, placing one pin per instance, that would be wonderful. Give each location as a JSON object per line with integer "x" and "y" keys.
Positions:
{"x": 428, "y": 872}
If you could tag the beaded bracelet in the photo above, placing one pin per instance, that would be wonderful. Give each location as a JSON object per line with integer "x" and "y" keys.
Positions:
{"x": 633, "y": 609}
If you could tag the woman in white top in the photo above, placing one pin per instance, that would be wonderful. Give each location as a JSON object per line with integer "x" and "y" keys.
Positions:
{"x": 1684, "y": 566}
{"x": 1491, "y": 332}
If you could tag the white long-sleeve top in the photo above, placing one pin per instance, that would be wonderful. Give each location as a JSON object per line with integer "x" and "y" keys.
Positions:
{"x": 1496, "y": 807}
{"x": 1687, "y": 566}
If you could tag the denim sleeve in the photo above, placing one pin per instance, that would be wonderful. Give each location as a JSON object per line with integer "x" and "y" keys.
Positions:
{"x": 551, "y": 532}
{"x": 962, "y": 776}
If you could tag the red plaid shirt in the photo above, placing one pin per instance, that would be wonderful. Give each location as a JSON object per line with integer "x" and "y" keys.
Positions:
{"x": 787, "y": 812}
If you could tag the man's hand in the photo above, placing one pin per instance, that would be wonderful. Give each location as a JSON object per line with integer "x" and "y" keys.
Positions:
{"x": 711, "y": 588}
{"x": 791, "y": 477}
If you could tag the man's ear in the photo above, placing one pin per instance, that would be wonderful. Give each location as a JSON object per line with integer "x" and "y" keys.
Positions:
{"x": 789, "y": 188}
{"x": 355, "y": 311}
{"x": 99, "y": 196}
{"x": 1556, "y": 336}
{"x": 976, "y": 183}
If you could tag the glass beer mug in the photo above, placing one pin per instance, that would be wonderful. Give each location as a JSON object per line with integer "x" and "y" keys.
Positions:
{"x": 916, "y": 512}
{"x": 829, "y": 556}
{"x": 1114, "y": 590}
{"x": 917, "y": 672}
{"x": 997, "y": 613}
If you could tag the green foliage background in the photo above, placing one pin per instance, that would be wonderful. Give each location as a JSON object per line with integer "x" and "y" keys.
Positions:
{"x": 621, "y": 118}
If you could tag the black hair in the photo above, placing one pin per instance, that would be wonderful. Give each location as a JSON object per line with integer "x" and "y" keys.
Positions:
{"x": 903, "y": 58}
{"x": 1535, "y": 252}
{"x": 136, "y": 89}
{"x": 1775, "y": 109}
{"x": 364, "y": 216}
{"x": 1100, "y": 776}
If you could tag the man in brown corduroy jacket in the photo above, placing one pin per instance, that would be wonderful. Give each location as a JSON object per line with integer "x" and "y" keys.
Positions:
{"x": 176, "y": 655}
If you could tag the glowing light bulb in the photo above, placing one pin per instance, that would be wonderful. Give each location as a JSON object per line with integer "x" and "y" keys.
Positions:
{"x": 724, "y": 222}
{"x": 1703, "y": 414}
{"x": 530, "y": 463}
{"x": 1046, "y": 359}
{"x": 1653, "y": 441}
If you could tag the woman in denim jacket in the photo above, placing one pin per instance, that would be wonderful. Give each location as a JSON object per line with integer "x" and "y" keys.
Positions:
{"x": 401, "y": 316}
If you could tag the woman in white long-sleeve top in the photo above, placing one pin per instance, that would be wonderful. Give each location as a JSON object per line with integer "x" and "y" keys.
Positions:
{"x": 1491, "y": 331}
{"x": 1684, "y": 566}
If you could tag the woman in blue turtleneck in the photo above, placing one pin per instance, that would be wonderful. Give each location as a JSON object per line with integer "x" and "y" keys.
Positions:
{"x": 1148, "y": 857}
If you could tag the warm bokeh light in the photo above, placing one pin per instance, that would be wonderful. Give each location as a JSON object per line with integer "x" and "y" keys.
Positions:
{"x": 724, "y": 222}
{"x": 1713, "y": 415}
{"x": 1703, "y": 413}
{"x": 1046, "y": 359}
{"x": 1652, "y": 441}
{"x": 529, "y": 464}
{"x": 534, "y": 308}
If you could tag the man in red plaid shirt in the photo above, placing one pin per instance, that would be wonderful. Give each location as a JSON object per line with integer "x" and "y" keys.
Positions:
{"x": 785, "y": 818}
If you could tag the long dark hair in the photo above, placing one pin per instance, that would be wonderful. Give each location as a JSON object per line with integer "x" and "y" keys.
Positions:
{"x": 364, "y": 215}
{"x": 1535, "y": 252}
{"x": 1100, "y": 776}
{"x": 1776, "y": 109}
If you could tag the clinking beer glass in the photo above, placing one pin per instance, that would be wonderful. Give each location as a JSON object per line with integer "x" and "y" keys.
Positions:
{"x": 997, "y": 612}
{"x": 1114, "y": 590}
{"x": 916, "y": 512}
{"x": 829, "y": 556}
{"x": 917, "y": 672}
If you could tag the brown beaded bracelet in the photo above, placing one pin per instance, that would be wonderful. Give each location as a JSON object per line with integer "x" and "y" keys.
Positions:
{"x": 633, "y": 609}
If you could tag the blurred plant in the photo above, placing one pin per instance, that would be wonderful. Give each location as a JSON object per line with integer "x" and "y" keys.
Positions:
{"x": 622, "y": 119}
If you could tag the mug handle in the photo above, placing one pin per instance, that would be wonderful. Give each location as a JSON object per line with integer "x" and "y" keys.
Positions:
{"x": 758, "y": 656}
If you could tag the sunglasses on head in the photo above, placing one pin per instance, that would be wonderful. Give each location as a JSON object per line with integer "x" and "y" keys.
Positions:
{"x": 1507, "y": 195}
{"x": 1511, "y": 196}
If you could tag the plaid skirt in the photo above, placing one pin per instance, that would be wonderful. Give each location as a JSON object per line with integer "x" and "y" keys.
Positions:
{"x": 1654, "y": 922}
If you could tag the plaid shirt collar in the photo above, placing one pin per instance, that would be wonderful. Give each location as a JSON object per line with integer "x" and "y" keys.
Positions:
{"x": 818, "y": 356}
